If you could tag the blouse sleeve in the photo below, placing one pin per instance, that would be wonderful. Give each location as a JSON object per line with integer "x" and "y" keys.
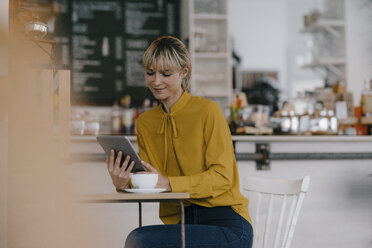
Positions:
{"x": 219, "y": 159}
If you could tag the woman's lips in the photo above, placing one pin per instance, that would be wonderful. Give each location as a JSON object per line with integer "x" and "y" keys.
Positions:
{"x": 159, "y": 89}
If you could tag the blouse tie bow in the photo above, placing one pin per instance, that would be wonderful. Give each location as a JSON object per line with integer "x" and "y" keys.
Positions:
{"x": 169, "y": 118}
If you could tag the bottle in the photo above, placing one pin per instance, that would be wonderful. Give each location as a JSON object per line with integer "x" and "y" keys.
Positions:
{"x": 333, "y": 125}
{"x": 127, "y": 115}
{"x": 285, "y": 122}
{"x": 115, "y": 118}
{"x": 304, "y": 125}
{"x": 294, "y": 122}
{"x": 366, "y": 100}
{"x": 323, "y": 121}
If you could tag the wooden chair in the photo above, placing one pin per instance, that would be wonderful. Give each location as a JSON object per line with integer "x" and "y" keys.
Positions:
{"x": 274, "y": 207}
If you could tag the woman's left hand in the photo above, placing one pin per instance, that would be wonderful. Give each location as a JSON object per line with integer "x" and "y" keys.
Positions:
{"x": 163, "y": 181}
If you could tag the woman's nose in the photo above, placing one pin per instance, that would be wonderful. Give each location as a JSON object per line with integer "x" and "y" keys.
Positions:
{"x": 156, "y": 78}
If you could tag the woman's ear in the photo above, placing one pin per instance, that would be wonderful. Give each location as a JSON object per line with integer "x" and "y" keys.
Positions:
{"x": 184, "y": 72}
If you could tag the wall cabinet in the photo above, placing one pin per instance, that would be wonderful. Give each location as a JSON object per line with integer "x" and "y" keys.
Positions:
{"x": 327, "y": 46}
{"x": 210, "y": 52}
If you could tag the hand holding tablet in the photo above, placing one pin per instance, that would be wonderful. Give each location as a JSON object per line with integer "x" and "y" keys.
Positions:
{"x": 123, "y": 144}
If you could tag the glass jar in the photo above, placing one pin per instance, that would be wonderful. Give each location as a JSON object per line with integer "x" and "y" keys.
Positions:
{"x": 77, "y": 123}
{"x": 285, "y": 122}
{"x": 294, "y": 122}
{"x": 323, "y": 121}
{"x": 333, "y": 125}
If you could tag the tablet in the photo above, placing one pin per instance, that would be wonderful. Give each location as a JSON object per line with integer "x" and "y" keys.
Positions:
{"x": 121, "y": 143}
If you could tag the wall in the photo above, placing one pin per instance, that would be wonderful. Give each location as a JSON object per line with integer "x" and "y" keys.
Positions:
{"x": 4, "y": 8}
{"x": 3, "y": 178}
{"x": 266, "y": 34}
{"x": 359, "y": 45}
{"x": 259, "y": 31}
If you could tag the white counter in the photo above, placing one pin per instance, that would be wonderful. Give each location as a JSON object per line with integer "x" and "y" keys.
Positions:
{"x": 292, "y": 138}
{"x": 268, "y": 138}
{"x": 278, "y": 144}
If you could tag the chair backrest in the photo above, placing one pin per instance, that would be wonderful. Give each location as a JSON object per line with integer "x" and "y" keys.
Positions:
{"x": 274, "y": 208}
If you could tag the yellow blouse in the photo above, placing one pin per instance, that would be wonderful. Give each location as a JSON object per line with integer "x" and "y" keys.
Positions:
{"x": 192, "y": 146}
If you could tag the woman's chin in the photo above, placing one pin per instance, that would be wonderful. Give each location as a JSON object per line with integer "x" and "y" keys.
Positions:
{"x": 159, "y": 96}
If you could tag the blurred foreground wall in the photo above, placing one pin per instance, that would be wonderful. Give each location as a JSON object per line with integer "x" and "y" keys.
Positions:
{"x": 4, "y": 7}
{"x": 36, "y": 203}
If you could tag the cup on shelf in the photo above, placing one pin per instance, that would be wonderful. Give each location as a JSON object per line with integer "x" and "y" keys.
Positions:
{"x": 77, "y": 123}
{"x": 91, "y": 124}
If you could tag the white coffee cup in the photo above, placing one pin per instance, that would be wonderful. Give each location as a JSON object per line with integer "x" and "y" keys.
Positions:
{"x": 144, "y": 180}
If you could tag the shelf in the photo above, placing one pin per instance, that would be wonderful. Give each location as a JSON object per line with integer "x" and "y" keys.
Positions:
{"x": 201, "y": 55}
{"x": 212, "y": 17}
{"x": 348, "y": 121}
{"x": 329, "y": 63}
{"x": 334, "y": 65}
{"x": 326, "y": 61}
{"x": 329, "y": 25}
{"x": 366, "y": 120}
{"x": 210, "y": 50}
{"x": 322, "y": 23}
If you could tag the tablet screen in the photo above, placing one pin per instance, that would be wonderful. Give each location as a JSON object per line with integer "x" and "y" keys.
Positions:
{"x": 121, "y": 143}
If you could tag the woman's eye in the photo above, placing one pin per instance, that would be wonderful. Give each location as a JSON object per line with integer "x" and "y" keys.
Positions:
{"x": 166, "y": 75}
{"x": 150, "y": 73}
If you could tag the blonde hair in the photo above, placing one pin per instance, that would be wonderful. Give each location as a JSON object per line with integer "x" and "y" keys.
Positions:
{"x": 168, "y": 53}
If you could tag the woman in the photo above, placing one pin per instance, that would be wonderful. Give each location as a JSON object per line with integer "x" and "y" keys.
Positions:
{"x": 186, "y": 140}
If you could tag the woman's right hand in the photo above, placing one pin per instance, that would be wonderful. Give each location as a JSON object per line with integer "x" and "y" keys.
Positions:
{"x": 119, "y": 175}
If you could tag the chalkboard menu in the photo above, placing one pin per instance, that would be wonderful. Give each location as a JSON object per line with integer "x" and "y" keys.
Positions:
{"x": 103, "y": 43}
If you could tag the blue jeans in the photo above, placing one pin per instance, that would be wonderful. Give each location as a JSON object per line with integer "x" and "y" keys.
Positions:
{"x": 205, "y": 227}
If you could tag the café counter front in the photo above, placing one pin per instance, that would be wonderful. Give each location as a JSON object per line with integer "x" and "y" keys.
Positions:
{"x": 261, "y": 149}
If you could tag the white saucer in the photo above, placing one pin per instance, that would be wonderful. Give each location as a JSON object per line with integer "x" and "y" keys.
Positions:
{"x": 145, "y": 191}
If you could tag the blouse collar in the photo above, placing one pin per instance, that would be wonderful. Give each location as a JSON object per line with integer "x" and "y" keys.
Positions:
{"x": 178, "y": 105}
